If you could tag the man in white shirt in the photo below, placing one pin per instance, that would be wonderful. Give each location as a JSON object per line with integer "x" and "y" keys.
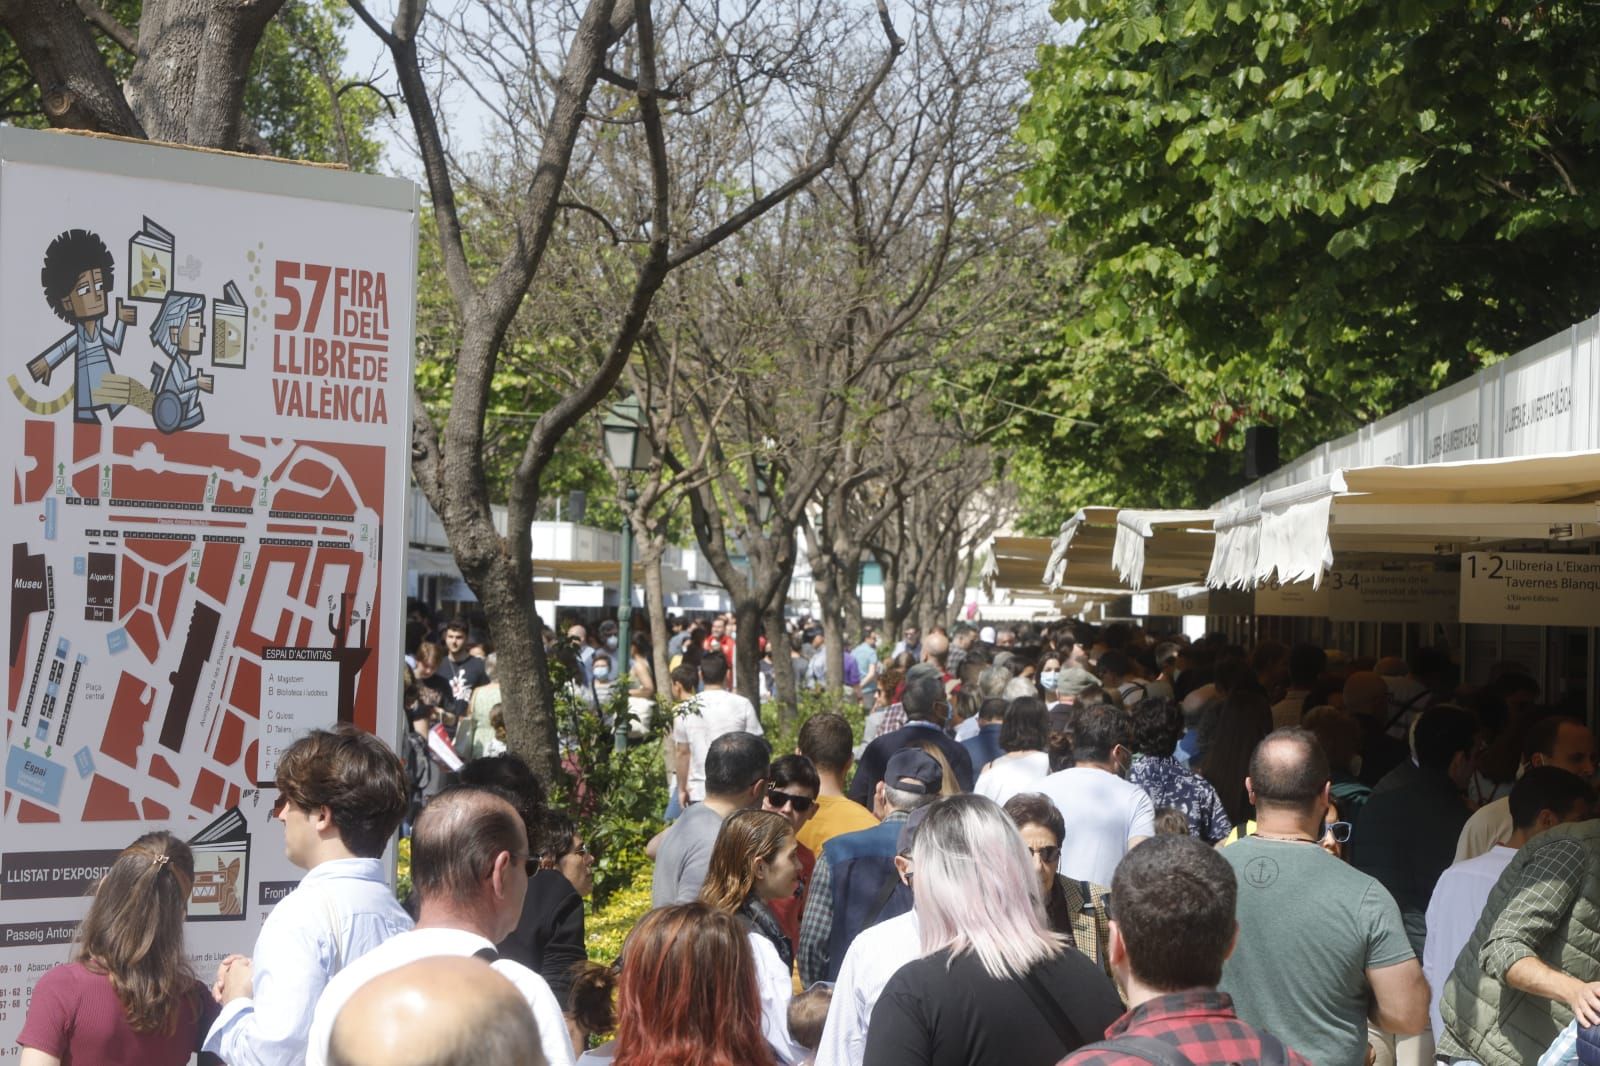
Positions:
{"x": 710, "y": 714}
{"x": 872, "y": 958}
{"x": 1543, "y": 798}
{"x": 341, "y": 795}
{"x": 469, "y": 869}
{"x": 435, "y": 1012}
{"x": 1553, "y": 741}
{"x": 1104, "y": 815}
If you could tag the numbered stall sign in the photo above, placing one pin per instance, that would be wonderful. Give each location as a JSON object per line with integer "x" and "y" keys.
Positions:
{"x": 1404, "y": 595}
{"x": 1530, "y": 589}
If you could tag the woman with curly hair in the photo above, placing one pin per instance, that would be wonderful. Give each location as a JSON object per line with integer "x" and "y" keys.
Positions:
{"x": 128, "y": 998}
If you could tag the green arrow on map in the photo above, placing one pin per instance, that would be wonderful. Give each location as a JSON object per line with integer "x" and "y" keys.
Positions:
{"x": 241, "y": 579}
{"x": 61, "y": 468}
{"x": 27, "y": 742}
{"x": 48, "y": 751}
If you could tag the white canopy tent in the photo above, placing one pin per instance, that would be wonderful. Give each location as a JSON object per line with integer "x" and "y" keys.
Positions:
{"x": 1294, "y": 532}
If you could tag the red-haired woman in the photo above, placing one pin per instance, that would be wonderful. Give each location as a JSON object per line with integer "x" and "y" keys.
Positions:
{"x": 128, "y": 998}
{"x": 687, "y": 995}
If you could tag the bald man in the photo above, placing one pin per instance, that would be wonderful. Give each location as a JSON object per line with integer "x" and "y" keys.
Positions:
{"x": 469, "y": 872}
{"x": 1321, "y": 945}
{"x": 1367, "y": 697}
{"x": 439, "y": 1011}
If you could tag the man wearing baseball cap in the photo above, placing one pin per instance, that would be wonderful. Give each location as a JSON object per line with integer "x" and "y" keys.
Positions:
{"x": 855, "y": 883}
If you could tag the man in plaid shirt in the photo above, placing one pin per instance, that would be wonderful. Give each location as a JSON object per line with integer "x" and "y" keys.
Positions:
{"x": 1172, "y": 926}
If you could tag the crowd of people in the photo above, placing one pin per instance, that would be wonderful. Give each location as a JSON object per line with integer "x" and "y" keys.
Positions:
{"x": 1036, "y": 845}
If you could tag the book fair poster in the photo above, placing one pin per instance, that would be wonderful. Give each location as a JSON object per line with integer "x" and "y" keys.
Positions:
{"x": 207, "y": 368}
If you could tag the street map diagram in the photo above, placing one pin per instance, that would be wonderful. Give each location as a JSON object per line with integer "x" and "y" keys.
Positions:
{"x": 227, "y": 584}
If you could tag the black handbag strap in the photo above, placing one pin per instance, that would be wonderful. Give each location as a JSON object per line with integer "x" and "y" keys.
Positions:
{"x": 1052, "y": 1013}
{"x": 885, "y": 894}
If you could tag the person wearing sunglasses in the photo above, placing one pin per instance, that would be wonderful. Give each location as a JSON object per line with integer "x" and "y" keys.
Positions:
{"x": 1073, "y": 908}
{"x": 792, "y": 786}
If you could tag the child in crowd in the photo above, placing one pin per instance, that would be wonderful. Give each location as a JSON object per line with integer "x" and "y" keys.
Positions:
{"x": 807, "y": 1014}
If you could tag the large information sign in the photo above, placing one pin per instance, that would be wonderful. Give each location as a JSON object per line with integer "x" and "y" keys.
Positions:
{"x": 207, "y": 362}
{"x": 1408, "y": 594}
{"x": 1530, "y": 589}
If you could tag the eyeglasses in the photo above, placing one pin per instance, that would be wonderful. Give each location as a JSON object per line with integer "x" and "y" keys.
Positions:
{"x": 280, "y": 803}
{"x": 531, "y": 865}
{"x": 1050, "y": 854}
{"x": 778, "y": 800}
{"x": 1339, "y": 831}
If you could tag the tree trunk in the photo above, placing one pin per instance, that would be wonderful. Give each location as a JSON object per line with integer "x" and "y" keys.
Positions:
{"x": 747, "y": 650}
{"x": 652, "y": 547}
{"x": 855, "y": 626}
{"x": 63, "y": 58}
{"x": 187, "y": 85}
{"x": 832, "y": 626}
{"x": 825, "y": 580}
{"x": 894, "y": 604}
{"x": 522, "y": 672}
{"x": 783, "y": 685}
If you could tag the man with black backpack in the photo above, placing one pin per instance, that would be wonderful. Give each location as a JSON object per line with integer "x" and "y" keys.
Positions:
{"x": 1173, "y": 927}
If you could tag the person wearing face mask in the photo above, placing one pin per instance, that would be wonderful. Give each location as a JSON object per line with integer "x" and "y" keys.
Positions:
{"x": 1049, "y": 674}
{"x": 1105, "y": 815}
{"x": 600, "y": 669}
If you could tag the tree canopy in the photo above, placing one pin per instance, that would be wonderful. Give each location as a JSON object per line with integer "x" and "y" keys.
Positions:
{"x": 1297, "y": 215}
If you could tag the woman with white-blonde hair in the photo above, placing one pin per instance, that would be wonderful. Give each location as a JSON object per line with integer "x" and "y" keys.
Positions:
{"x": 994, "y": 986}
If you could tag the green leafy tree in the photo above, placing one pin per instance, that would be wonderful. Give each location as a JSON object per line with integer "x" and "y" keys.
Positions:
{"x": 297, "y": 101}
{"x": 1301, "y": 215}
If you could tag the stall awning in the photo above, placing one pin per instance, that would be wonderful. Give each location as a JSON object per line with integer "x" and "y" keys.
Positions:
{"x": 1440, "y": 508}
{"x": 432, "y": 563}
{"x": 1171, "y": 541}
{"x": 1016, "y": 563}
{"x": 1098, "y": 550}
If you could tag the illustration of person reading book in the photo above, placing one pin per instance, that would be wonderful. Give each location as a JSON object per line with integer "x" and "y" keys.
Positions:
{"x": 180, "y": 332}
{"x": 78, "y": 272}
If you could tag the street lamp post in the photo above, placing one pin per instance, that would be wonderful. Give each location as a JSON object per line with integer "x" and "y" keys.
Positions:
{"x": 627, "y": 449}
{"x": 763, "y": 492}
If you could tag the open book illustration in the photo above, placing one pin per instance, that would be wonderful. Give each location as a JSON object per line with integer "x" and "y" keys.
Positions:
{"x": 150, "y": 263}
{"x": 221, "y": 869}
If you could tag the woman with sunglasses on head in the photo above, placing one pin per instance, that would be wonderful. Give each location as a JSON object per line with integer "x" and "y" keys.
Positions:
{"x": 562, "y": 849}
{"x": 792, "y": 787}
{"x": 549, "y": 937}
{"x": 994, "y": 986}
{"x": 1075, "y": 909}
{"x": 128, "y": 998}
{"x": 752, "y": 864}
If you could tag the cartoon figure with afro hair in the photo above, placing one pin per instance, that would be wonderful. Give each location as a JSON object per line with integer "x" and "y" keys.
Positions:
{"x": 78, "y": 272}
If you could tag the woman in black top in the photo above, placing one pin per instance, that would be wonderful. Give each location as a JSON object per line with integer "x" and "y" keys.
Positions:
{"x": 994, "y": 986}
